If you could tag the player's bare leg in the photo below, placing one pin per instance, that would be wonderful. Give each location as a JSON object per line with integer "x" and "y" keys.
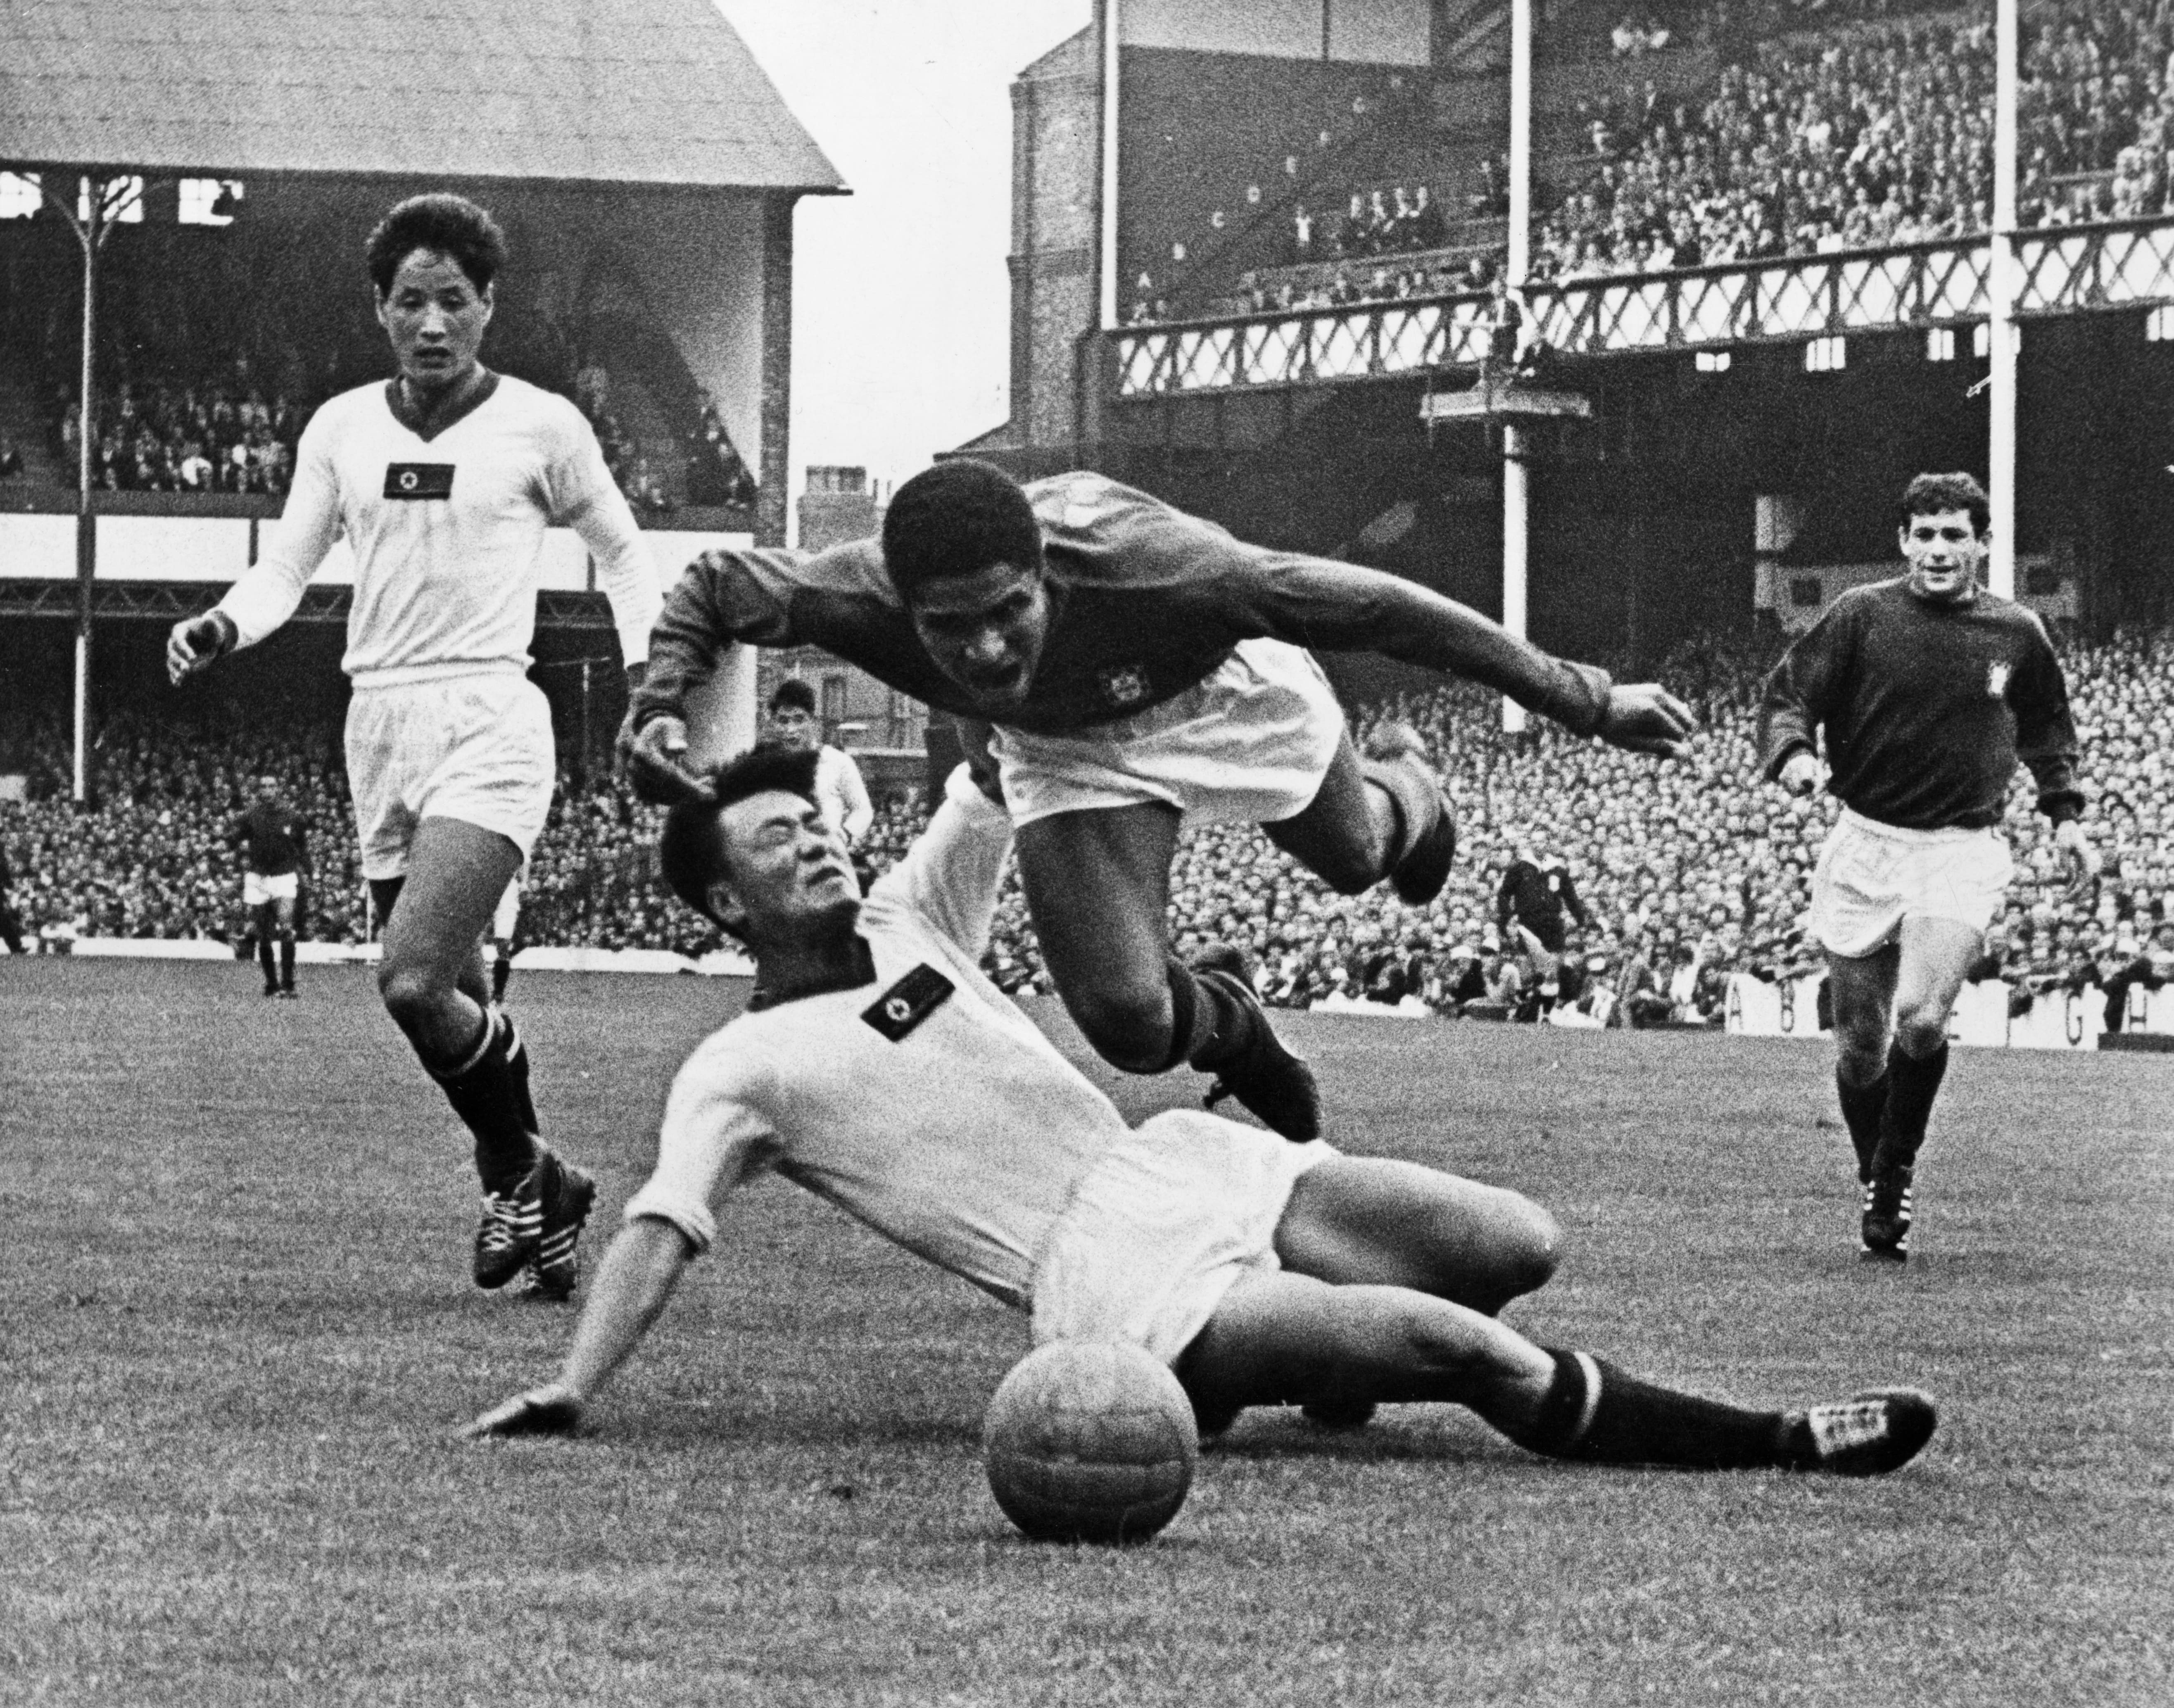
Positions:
{"x": 1935, "y": 957}
{"x": 1098, "y": 885}
{"x": 1863, "y": 989}
{"x": 1282, "y": 1338}
{"x": 434, "y": 986}
{"x": 260, "y": 918}
{"x": 1383, "y": 816}
{"x": 1376, "y": 1221}
{"x": 282, "y": 913}
{"x": 1381, "y": 1222}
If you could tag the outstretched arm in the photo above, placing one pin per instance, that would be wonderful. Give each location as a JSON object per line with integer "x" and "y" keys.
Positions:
{"x": 1331, "y": 606}
{"x": 639, "y": 1272}
{"x": 725, "y": 596}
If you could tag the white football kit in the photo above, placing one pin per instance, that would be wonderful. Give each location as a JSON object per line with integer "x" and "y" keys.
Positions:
{"x": 928, "y": 1106}
{"x": 446, "y": 534}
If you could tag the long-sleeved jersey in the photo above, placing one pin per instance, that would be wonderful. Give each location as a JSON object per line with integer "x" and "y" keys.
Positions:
{"x": 1145, "y": 602}
{"x": 272, "y": 837}
{"x": 1926, "y": 708}
{"x": 922, "y": 1102}
{"x": 447, "y": 532}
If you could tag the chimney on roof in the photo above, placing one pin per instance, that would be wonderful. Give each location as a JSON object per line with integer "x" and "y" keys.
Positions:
{"x": 837, "y": 506}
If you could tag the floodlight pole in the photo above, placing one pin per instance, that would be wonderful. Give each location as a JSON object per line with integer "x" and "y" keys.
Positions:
{"x": 91, "y": 228}
{"x": 1515, "y": 491}
{"x": 2001, "y": 288}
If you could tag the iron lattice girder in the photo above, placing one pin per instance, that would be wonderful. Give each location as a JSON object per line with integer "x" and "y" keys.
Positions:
{"x": 169, "y": 601}
{"x": 2069, "y": 270}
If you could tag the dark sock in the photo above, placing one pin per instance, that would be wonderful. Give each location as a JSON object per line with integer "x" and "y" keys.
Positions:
{"x": 264, "y": 958}
{"x": 1596, "y": 1412}
{"x": 489, "y": 1091}
{"x": 1913, "y": 1083}
{"x": 1209, "y": 1024}
{"x": 287, "y": 960}
{"x": 1862, "y": 1107}
{"x": 1417, "y": 801}
{"x": 502, "y": 969}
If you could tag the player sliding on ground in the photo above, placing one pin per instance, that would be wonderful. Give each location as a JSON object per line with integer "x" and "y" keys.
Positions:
{"x": 1142, "y": 669}
{"x": 1929, "y": 689}
{"x": 444, "y": 479}
{"x": 878, "y": 1068}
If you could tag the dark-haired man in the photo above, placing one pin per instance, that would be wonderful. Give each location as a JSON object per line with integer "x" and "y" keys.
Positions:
{"x": 1929, "y": 690}
{"x": 878, "y": 1068}
{"x": 839, "y": 788}
{"x": 444, "y": 479}
{"x": 272, "y": 836}
{"x": 1143, "y": 670}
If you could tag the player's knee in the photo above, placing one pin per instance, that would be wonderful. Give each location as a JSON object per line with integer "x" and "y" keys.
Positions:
{"x": 1921, "y": 1029}
{"x": 1530, "y": 1247}
{"x": 411, "y": 995}
{"x": 1128, "y": 1026}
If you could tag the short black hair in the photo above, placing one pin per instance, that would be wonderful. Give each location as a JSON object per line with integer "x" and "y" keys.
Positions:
{"x": 957, "y": 519}
{"x": 793, "y": 691}
{"x": 454, "y": 226}
{"x": 690, "y": 854}
{"x": 1929, "y": 495}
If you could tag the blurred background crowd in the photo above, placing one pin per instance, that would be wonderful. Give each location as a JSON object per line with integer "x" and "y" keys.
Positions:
{"x": 1599, "y": 886}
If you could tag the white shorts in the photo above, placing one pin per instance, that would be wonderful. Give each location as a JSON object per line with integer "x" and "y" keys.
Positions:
{"x": 1248, "y": 744}
{"x": 472, "y": 747}
{"x": 508, "y": 914}
{"x": 1871, "y": 877}
{"x": 259, "y": 888}
{"x": 1162, "y": 1227}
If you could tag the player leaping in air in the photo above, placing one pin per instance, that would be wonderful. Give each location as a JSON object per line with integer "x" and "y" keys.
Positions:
{"x": 444, "y": 479}
{"x": 878, "y": 1067}
{"x": 1142, "y": 669}
{"x": 1929, "y": 690}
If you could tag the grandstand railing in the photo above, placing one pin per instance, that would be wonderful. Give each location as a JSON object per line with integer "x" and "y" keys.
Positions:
{"x": 2064, "y": 270}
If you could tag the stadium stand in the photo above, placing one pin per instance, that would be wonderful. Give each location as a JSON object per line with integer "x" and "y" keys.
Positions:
{"x": 1712, "y": 133}
{"x": 1691, "y": 872}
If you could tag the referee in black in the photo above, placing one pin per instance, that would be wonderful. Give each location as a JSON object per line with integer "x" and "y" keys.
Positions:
{"x": 1929, "y": 690}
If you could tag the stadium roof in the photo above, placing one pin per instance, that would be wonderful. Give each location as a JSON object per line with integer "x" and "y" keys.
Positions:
{"x": 660, "y": 92}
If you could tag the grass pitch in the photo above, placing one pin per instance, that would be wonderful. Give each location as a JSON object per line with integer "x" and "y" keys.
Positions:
{"x": 237, "y": 1335}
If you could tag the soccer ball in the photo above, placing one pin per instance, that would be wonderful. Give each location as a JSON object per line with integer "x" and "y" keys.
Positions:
{"x": 1090, "y": 1441}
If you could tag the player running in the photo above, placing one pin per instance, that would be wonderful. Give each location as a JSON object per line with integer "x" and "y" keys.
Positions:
{"x": 1929, "y": 690}
{"x": 878, "y": 1067}
{"x": 444, "y": 479}
{"x": 272, "y": 837}
{"x": 1143, "y": 669}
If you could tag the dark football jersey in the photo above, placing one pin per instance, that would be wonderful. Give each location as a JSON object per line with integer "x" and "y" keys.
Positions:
{"x": 1926, "y": 708}
{"x": 1145, "y": 602}
{"x": 271, "y": 837}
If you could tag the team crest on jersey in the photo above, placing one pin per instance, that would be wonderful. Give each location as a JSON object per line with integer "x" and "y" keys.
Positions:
{"x": 1123, "y": 685}
{"x": 419, "y": 480}
{"x": 1996, "y": 680}
{"x": 908, "y": 1002}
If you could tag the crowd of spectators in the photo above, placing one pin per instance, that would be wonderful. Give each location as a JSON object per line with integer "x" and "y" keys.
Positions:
{"x": 1827, "y": 138}
{"x": 1680, "y": 874}
{"x": 228, "y": 431}
{"x": 1830, "y": 125}
{"x": 224, "y": 433}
